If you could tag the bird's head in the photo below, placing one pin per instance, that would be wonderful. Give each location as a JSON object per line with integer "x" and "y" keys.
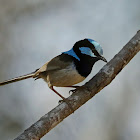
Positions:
{"x": 89, "y": 48}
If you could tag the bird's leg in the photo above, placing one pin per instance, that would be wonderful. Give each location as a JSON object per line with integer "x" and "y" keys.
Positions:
{"x": 64, "y": 99}
{"x": 57, "y": 93}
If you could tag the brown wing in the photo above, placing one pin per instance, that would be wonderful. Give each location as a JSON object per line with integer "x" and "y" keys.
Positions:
{"x": 57, "y": 63}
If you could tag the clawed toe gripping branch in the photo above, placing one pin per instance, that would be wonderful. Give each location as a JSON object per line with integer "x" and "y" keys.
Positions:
{"x": 82, "y": 95}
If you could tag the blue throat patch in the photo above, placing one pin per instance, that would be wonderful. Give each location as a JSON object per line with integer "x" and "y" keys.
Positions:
{"x": 72, "y": 53}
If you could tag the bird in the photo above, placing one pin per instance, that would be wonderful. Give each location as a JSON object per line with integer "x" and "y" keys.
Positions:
{"x": 68, "y": 68}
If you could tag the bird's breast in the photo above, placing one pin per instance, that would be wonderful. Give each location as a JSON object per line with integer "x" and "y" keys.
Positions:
{"x": 64, "y": 77}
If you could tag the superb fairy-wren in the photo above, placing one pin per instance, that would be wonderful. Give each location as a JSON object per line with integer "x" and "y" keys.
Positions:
{"x": 69, "y": 68}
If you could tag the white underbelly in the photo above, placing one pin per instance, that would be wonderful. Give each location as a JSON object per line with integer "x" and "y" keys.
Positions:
{"x": 65, "y": 77}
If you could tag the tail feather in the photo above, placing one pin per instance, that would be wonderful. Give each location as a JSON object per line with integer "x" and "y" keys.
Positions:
{"x": 30, "y": 75}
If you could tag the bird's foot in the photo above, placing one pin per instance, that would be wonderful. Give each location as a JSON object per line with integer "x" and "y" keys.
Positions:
{"x": 72, "y": 91}
{"x": 64, "y": 99}
{"x": 60, "y": 101}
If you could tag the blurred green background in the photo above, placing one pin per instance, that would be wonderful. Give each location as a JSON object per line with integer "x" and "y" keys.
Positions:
{"x": 34, "y": 31}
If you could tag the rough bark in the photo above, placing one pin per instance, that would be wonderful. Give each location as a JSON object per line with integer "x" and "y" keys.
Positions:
{"x": 84, "y": 93}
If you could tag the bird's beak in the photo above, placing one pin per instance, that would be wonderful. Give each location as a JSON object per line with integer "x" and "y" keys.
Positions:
{"x": 102, "y": 58}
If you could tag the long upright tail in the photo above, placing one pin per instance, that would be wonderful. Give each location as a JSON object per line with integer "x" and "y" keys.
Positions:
{"x": 30, "y": 75}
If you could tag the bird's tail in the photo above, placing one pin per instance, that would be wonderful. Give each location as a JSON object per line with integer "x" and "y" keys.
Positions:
{"x": 30, "y": 75}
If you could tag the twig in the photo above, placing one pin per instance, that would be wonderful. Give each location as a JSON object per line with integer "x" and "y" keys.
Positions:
{"x": 84, "y": 93}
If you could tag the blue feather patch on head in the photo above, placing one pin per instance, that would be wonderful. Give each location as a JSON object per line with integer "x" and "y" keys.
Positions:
{"x": 97, "y": 46}
{"x": 87, "y": 51}
{"x": 72, "y": 53}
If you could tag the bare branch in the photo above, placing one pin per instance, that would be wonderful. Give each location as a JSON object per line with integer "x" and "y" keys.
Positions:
{"x": 84, "y": 93}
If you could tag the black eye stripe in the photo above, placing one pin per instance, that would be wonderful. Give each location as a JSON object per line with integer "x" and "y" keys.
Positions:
{"x": 95, "y": 51}
{"x": 85, "y": 43}
{"x": 92, "y": 47}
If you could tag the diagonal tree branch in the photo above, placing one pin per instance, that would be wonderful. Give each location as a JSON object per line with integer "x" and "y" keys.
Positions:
{"x": 84, "y": 93}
